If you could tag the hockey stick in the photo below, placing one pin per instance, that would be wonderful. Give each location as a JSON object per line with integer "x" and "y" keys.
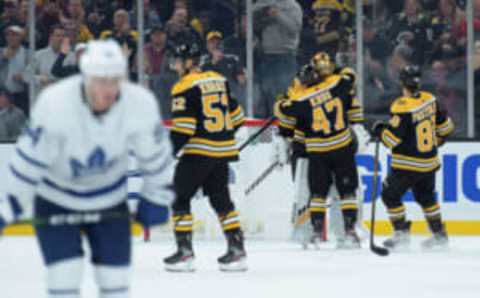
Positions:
{"x": 256, "y": 134}
{"x": 261, "y": 177}
{"x": 381, "y": 251}
{"x": 71, "y": 219}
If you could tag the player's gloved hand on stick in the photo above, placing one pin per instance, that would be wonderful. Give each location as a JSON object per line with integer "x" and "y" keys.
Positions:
{"x": 378, "y": 128}
{"x": 150, "y": 214}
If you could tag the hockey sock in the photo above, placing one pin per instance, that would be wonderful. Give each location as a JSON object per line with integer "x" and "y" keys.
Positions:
{"x": 183, "y": 226}
{"x": 434, "y": 218}
{"x": 397, "y": 217}
{"x": 318, "y": 208}
{"x": 349, "y": 208}
{"x": 230, "y": 221}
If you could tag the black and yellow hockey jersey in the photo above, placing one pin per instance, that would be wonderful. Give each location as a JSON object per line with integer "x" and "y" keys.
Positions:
{"x": 205, "y": 117}
{"x": 321, "y": 115}
{"x": 416, "y": 126}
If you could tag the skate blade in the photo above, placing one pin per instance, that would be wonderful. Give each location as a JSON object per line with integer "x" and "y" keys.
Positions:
{"x": 181, "y": 267}
{"x": 345, "y": 246}
{"x": 237, "y": 266}
{"x": 436, "y": 247}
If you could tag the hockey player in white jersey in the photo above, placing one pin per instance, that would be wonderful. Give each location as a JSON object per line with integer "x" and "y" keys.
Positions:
{"x": 72, "y": 159}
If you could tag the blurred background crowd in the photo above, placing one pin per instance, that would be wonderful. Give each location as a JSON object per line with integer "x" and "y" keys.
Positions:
{"x": 286, "y": 33}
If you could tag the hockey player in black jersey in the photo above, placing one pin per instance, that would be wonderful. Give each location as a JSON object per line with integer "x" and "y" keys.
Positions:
{"x": 326, "y": 110}
{"x": 205, "y": 119}
{"x": 417, "y": 127}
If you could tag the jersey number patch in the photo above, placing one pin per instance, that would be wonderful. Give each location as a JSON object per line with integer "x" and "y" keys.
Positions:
{"x": 426, "y": 138}
{"x": 321, "y": 121}
{"x": 216, "y": 112}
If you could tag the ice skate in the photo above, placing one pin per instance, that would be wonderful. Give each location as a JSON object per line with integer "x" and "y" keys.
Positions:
{"x": 439, "y": 240}
{"x": 181, "y": 261}
{"x": 234, "y": 260}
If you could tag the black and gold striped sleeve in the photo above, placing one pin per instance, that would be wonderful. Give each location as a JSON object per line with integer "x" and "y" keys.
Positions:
{"x": 236, "y": 113}
{"x": 444, "y": 125}
{"x": 184, "y": 121}
{"x": 355, "y": 112}
{"x": 284, "y": 110}
{"x": 392, "y": 135}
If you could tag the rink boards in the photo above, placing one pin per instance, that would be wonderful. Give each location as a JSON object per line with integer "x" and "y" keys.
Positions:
{"x": 266, "y": 211}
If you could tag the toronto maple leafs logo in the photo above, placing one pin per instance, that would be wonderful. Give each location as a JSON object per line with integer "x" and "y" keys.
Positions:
{"x": 96, "y": 163}
{"x": 33, "y": 133}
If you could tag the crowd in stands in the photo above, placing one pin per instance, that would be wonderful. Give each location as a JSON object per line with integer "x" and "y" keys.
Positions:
{"x": 431, "y": 33}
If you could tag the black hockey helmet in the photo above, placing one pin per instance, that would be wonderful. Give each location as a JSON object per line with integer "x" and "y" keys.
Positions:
{"x": 307, "y": 75}
{"x": 410, "y": 77}
{"x": 185, "y": 51}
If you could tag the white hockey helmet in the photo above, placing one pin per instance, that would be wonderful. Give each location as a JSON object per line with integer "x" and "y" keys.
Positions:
{"x": 104, "y": 58}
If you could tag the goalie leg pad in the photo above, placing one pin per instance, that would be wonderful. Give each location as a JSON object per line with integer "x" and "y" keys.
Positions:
{"x": 64, "y": 278}
{"x": 113, "y": 281}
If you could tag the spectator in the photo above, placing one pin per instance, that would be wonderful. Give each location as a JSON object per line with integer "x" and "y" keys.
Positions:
{"x": 237, "y": 43}
{"x": 151, "y": 16}
{"x": 49, "y": 16}
{"x": 124, "y": 35}
{"x": 278, "y": 25}
{"x": 155, "y": 51}
{"x": 444, "y": 19}
{"x": 9, "y": 15}
{"x": 40, "y": 68}
{"x": 62, "y": 71}
{"x": 410, "y": 27}
{"x": 226, "y": 64}
{"x": 74, "y": 22}
{"x": 178, "y": 29}
{"x": 13, "y": 61}
{"x": 157, "y": 60}
{"x": 329, "y": 27}
{"x": 12, "y": 118}
{"x": 443, "y": 81}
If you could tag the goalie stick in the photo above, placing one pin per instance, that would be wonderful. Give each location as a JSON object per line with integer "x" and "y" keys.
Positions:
{"x": 381, "y": 251}
{"x": 254, "y": 136}
{"x": 261, "y": 177}
{"x": 80, "y": 218}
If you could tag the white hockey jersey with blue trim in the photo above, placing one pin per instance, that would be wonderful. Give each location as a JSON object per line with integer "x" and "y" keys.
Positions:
{"x": 78, "y": 160}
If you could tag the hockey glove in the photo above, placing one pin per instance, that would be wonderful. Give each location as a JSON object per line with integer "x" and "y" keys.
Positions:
{"x": 378, "y": 128}
{"x": 150, "y": 214}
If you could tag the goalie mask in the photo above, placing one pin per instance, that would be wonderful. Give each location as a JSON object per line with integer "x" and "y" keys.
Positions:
{"x": 323, "y": 64}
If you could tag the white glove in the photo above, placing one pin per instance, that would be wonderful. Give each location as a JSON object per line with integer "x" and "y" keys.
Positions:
{"x": 363, "y": 137}
{"x": 282, "y": 149}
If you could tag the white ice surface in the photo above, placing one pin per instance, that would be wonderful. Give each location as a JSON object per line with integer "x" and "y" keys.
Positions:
{"x": 277, "y": 269}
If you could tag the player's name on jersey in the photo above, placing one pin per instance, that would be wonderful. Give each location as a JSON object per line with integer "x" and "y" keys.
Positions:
{"x": 213, "y": 87}
{"x": 425, "y": 112}
{"x": 320, "y": 99}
